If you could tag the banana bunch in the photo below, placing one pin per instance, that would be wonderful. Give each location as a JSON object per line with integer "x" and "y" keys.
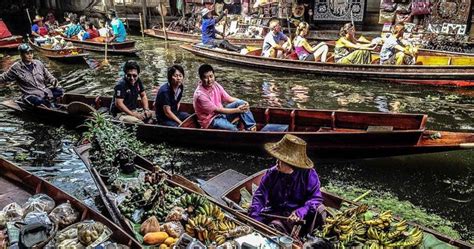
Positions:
{"x": 211, "y": 210}
{"x": 340, "y": 226}
{"x": 382, "y": 221}
{"x": 225, "y": 226}
{"x": 191, "y": 202}
{"x": 201, "y": 227}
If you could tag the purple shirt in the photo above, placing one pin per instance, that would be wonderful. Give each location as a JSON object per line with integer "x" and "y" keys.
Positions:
{"x": 281, "y": 193}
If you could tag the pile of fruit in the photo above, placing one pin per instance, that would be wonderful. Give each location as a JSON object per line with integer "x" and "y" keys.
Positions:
{"x": 357, "y": 227}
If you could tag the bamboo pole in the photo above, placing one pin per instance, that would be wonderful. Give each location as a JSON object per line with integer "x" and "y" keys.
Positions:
{"x": 163, "y": 21}
{"x": 141, "y": 24}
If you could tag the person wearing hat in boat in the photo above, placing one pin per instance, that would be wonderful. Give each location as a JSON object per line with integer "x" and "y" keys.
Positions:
{"x": 291, "y": 188}
{"x": 126, "y": 92}
{"x": 119, "y": 34}
{"x": 39, "y": 29}
{"x": 33, "y": 79}
{"x": 275, "y": 41}
{"x": 208, "y": 100}
{"x": 208, "y": 31}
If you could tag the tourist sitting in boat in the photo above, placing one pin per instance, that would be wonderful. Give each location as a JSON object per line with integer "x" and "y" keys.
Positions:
{"x": 92, "y": 31}
{"x": 169, "y": 97}
{"x": 119, "y": 34}
{"x": 304, "y": 50}
{"x": 73, "y": 29}
{"x": 125, "y": 101}
{"x": 348, "y": 50}
{"x": 51, "y": 21}
{"x": 393, "y": 51}
{"x": 208, "y": 102}
{"x": 208, "y": 31}
{"x": 39, "y": 29}
{"x": 290, "y": 189}
{"x": 33, "y": 78}
{"x": 275, "y": 41}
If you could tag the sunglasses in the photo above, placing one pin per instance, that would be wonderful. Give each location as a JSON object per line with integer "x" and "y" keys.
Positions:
{"x": 129, "y": 75}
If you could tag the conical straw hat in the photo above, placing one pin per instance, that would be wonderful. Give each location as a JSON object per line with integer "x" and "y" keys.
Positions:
{"x": 292, "y": 150}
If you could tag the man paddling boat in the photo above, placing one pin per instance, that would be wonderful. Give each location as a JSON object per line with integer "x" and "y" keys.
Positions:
{"x": 290, "y": 189}
{"x": 33, "y": 77}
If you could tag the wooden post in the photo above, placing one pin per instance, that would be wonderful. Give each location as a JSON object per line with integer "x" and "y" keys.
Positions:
{"x": 163, "y": 21}
{"x": 141, "y": 24}
{"x": 29, "y": 17}
{"x": 145, "y": 15}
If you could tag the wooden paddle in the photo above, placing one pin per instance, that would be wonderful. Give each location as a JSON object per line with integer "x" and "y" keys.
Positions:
{"x": 163, "y": 21}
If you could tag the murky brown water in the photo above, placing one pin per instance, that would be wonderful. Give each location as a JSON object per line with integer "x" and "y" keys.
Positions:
{"x": 441, "y": 183}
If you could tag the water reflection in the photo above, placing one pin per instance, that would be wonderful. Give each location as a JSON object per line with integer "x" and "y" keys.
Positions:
{"x": 435, "y": 182}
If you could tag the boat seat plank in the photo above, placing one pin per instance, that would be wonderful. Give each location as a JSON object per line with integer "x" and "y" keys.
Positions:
{"x": 10, "y": 192}
{"x": 329, "y": 129}
{"x": 190, "y": 122}
{"x": 220, "y": 184}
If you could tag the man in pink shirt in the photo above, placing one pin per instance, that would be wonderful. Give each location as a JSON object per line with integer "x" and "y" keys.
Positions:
{"x": 208, "y": 102}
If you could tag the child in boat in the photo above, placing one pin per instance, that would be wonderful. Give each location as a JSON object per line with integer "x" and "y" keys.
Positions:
{"x": 348, "y": 50}
{"x": 304, "y": 50}
{"x": 291, "y": 188}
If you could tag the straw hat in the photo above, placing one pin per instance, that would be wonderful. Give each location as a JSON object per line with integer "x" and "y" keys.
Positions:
{"x": 38, "y": 18}
{"x": 291, "y": 150}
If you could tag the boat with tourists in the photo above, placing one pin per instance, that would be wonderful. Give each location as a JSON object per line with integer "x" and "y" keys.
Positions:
{"x": 172, "y": 198}
{"x": 66, "y": 55}
{"x": 329, "y": 133}
{"x": 430, "y": 69}
{"x": 124, "y": 48}
{"x": 22, "y": 188}
{"x": 228, "y": 187}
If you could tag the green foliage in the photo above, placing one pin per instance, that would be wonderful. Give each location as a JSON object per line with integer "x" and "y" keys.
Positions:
{"x": 107, "y": 138}
{"x": 404, "y": 209}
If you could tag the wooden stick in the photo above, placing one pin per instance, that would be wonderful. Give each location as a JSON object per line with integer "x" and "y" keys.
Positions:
{"x": 281, "y": 217}
{"x": 163, "y": 21}
{"x": 362, "y": 196}
{"x": 141, "y": 24}
{"x": 29, "y": 17}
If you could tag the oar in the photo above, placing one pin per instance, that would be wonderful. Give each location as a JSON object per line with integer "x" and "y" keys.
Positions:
{"x": 105, "y": 62}
{"x": 163, "y": 21}
{"x": 29, "y": 17}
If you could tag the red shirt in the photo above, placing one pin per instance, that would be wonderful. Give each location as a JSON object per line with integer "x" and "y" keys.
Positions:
{"x": 93, "y": 33}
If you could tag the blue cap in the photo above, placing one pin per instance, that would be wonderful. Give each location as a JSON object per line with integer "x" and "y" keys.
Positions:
{"x": 24, "y": 47}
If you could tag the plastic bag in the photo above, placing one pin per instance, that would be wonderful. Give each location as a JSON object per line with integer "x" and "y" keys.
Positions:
{"x": 39, "y": 202}
{"x": 64, "y": 215}
{"x": 174, "y": 228}
{"x": 91, "y": 233}
{"x": 71, "y": 244}
{"x": 176, "y": 214}
{"x": 3, "y": 220}
{"x": 68, "y": 233}
{"x": 37, "y": 217}
{"x": 13, "y": 212}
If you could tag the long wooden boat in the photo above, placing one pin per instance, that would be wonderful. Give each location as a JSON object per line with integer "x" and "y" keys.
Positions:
{"x": 123, "y": 48}
{"x": 329, "y": 133}
{"x": 17, "y": 185}
{"x": 196, "y": 38}
{"x": 175, "y": 180}
{"x": 11, "y": 42}
{"x": 68, "y": 55}
{"x": 435, "y": 70}
{"x": 220, "y": 189}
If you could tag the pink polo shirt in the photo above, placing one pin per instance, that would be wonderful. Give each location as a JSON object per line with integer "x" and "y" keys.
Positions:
{"x": 207, "y": 100}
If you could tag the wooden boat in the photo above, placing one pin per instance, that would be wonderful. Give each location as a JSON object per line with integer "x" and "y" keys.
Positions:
{"x": 123, "y": 48}
{"x": 432, "y": 70}
{"x": 11, "y": 42}
{"x": 17, "y": 185}
{"x": 175, "y": 180}
{"x": 196, "y": 38}
{"x": 69, "y": 55}
{"x": 226, "y": 187}
{"x": 328, "y": 133}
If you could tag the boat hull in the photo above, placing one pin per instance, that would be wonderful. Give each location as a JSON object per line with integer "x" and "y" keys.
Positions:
{"x": 431, "y": 75}
{"x": 11, "y": 42}
{"x": 124, "y": 48}
{"x": 352, "y": 134}
{"x": 72, "y": 55}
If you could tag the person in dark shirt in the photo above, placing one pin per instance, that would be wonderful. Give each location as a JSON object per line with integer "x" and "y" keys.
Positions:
{"x": 208, "y": 31}
{"x": 169, "y": 97}
{"x": 33, "y": 79}
{"x": 125, "y": 101}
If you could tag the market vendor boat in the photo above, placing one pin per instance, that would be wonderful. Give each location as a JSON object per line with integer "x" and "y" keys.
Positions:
{"x": 196, "y": 38}
{"x": 228, "y": 186}
{"x": 176, "y": 181}
{"x": 66, "y": 55}
{"x": 438, "y": 70}
{"x": 329, "y": 133}
{"x": 17, "y": 185}
{"x": 123, "y": 48}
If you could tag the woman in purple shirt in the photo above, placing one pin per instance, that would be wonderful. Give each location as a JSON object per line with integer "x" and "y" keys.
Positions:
{"x": 291, "y": 188}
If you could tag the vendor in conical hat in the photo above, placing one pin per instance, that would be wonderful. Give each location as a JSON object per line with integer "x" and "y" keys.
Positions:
{"x": 290, "y": 188}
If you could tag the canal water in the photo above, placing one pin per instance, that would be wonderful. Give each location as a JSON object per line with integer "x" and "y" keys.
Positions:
{"x": 441, "y": 184}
